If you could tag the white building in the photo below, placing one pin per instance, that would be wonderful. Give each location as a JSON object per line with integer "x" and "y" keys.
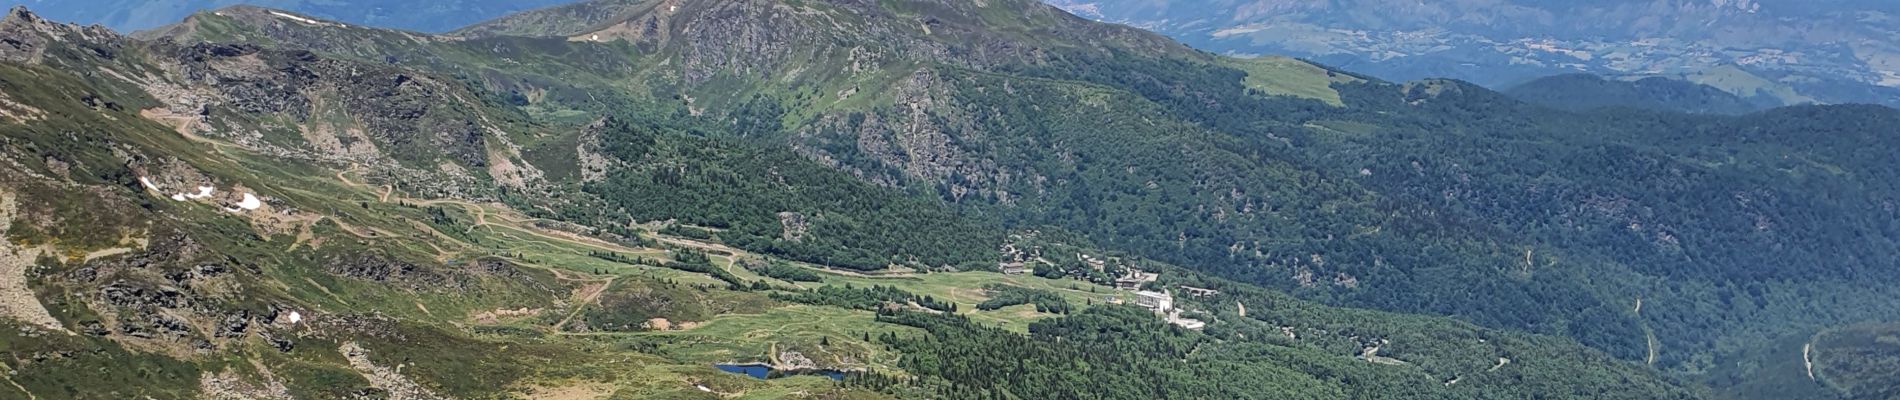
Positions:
{"x": 1158, "y": 301}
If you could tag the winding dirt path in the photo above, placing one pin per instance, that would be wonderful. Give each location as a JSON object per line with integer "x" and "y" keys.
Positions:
{"x": 7, "y": 374}
{"x": 1649, "y": 335}
{"x": 589, "y": 296}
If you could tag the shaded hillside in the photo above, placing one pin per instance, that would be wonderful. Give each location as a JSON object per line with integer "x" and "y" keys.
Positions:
{"x": 1584, "y": 92}
{"x": 1857, "y": 360}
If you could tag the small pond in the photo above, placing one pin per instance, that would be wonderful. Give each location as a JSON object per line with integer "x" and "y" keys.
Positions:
{"x": 763, "y": 371}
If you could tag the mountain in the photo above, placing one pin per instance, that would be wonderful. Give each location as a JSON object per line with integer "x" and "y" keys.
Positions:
{"x": 1585, "y": 92}
{"x": 1834, "y": 51}
{"x": 432, "y": 16}
{"x": 673, "y": 184}
{"x": 263, "y": 220}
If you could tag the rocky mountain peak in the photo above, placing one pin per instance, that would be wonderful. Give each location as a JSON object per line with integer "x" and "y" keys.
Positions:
{"x": 25, "y": 37}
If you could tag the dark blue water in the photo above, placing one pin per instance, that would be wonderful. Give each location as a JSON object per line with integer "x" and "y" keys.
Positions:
{"x": 763, "y": 371}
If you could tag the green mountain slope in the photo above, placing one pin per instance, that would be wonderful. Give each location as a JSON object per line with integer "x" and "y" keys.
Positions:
{"x": 257, "y": 220}
{"x": 1432, "y": 197}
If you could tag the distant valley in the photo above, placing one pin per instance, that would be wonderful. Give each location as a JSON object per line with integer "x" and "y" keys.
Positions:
{"x": 1831, "y": 51}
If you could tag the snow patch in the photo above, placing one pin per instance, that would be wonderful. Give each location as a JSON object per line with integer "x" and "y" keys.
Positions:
{"x": 295, "y": 317}
{"x": 703, "y": 388}
{"x": 178, "y": 197}
{"x": 249, "y": 203}
{"x": 148, "y": 183}
{"x": 306, "y": 21}
{"x": 203, "y": 192}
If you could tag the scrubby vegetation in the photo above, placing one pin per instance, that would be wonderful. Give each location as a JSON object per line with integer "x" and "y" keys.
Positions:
{"x": 1005, "y": 295}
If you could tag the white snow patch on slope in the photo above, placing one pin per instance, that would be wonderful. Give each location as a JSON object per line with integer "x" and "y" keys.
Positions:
{"x": 298, "y": 19}
{"x": 250, "y": 202}
{"x": 148, "y": 183}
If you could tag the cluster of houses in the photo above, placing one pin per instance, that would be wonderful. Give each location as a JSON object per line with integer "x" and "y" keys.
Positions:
{"x": 1162, "y": 302}
{"x": 1016, "y": 261}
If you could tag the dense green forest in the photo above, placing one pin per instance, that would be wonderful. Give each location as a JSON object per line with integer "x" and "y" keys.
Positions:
{"x": 1123, "y": 352}
{"x": 776, "y": 202}
{"x": 1001, "y": 295}
{"x": 1586, "y": 92}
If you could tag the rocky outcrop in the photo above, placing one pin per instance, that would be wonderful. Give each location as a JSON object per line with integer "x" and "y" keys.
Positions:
{"x": 382, "y": 269}
{"x": 591, "y": 153}
{"x": 392, "y": 383}
{"x": 27, "y": 39}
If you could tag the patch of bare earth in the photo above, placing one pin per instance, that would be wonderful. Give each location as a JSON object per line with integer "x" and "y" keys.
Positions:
{"x": 229, "y": 385}
{"x": 503, "y": 315}
{"x": 573, "y": 391}
{"x": 399, "y": 387}
{"x": 17, "y": 300}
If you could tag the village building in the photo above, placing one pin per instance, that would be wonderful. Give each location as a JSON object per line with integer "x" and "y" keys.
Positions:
{"x": 1014, "y": 268}
{"x": 1161, "y": 302}
{"x": 1135, "y": 279}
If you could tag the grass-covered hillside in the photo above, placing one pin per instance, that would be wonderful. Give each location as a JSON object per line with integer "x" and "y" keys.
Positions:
{"x": 1433, "y": 197}
{"x": 189, "y": 220}
{"x": 610, "y": 197}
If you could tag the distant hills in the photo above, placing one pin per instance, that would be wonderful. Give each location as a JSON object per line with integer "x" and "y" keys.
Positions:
{"x": 1834, "y": 51}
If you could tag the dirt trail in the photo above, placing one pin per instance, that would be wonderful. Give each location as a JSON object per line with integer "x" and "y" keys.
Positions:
{"x": 589, "y": 295}
{"x": 186, "y": 126}
{"x": 138, "y": 244}
{"x": 7, "y": 374}
{"x": 1501, "y": 363}
{"x": 1807, "y": 350}
{"x": 1649, "y": 335}
{"x": 523, "y": 224}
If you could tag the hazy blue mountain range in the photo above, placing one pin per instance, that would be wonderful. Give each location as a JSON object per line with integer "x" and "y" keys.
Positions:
{"x": 1840, "y": 51}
